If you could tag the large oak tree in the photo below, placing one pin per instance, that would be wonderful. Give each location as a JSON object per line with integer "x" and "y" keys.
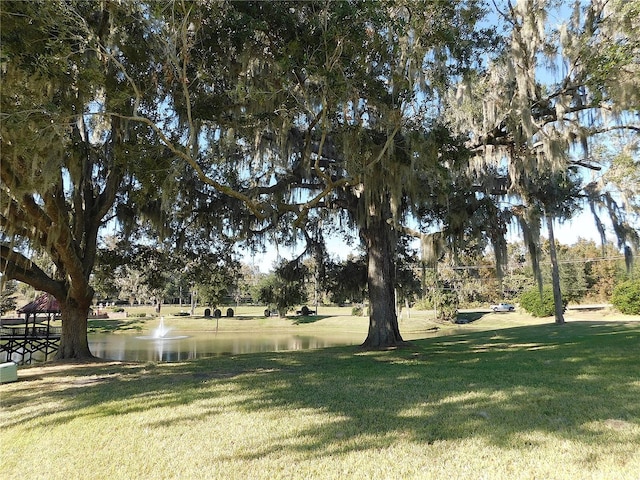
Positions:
{"x": 303, "y": 110}
{"x": 63, "y": 160}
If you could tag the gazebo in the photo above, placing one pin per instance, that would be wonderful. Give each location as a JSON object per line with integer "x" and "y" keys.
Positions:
{"x": 24, "y": 337}
{"x": 45, "y": 305}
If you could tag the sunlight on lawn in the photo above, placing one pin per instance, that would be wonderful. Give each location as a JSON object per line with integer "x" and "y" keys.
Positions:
{"x": 525, "y": 402}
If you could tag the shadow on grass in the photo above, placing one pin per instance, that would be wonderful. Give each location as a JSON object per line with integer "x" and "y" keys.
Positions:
{"x": 499, "y": 385}
{"x": 109, "y": 326}
{"x": 469, "y": 317}
{"x": 300, "y": 319}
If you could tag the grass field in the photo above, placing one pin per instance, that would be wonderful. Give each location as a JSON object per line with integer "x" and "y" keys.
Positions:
{"x": 506, "y": 397}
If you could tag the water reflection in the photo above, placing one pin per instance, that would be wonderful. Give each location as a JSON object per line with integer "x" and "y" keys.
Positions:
{"x": 183, "y": 347}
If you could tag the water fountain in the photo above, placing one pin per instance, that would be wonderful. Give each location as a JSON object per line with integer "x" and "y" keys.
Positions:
{"x": 160, "y": 331}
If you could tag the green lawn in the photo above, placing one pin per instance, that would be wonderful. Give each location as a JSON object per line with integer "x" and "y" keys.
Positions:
{"x": 495, "y": 401}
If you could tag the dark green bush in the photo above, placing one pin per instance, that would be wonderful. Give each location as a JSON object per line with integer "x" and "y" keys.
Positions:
{"x": 446, "y": 302}
{"x": 357, "y": 311}
{"x": 626, "y": 297}
{"x": 539, "y": 306}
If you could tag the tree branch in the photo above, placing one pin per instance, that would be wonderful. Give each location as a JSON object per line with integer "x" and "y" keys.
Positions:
{"x": 18, "y": 267}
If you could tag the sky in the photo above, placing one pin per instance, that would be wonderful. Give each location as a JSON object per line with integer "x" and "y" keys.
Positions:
{"x": 583, "y": 226}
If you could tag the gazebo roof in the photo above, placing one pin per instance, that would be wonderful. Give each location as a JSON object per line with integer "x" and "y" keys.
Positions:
{"x": 45, "y": 303}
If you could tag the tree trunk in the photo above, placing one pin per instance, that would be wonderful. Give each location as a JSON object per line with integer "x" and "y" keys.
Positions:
{"x": 555, "y": 275}
{"x": 193, "y": 302}
{"x": 74, "y": 342}
{"x": 383, "y": 321}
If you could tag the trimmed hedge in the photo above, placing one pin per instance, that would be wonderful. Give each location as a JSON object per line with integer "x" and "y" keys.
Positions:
{"x": 626, "y": 297}
{"x": 540, "y": 306}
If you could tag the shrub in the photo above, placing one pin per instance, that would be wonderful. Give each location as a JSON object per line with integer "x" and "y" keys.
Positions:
{"x": 626, "y": 297}
{"x": 181, "y": 314}
{"x": 357, "y": 311}
{"x": 137, "y": 315}
{"x": 540, "y": 306}
{"x": 446, "y": 302}
{"x": 424, "y": 304}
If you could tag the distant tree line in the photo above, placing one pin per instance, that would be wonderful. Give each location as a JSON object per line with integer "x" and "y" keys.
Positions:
{"x": 589, "y": 273}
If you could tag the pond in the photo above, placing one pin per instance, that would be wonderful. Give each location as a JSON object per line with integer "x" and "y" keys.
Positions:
{"x": 176, "y": 347}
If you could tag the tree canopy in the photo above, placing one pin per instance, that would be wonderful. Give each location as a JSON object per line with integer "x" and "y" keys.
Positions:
{"x": 555, "y": 95}
{"x": 61, "y": 167}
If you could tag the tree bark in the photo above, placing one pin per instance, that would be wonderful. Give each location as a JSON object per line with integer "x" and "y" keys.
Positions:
{"x": 379, "y": 238}
{"x": 555, "y": 275}
{"x": 74, "y": 343}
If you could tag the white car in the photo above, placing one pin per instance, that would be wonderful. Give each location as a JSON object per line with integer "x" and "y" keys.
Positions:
{"x": 503, "y": 307}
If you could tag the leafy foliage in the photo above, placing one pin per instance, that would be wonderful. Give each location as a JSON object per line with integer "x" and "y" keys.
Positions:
{"x": 537, "y": 124}
{"x": 152, "y": 272}
{"x": 626, "y": 297}
{"x": 285, "y": 288}
{"x": 446, "y": 302}
{"x": 8, "y": 301}
{"x": 539, "y": 303}
{"x": 217, "y": 280}
{"x": 347, "y": 280}
{"x": 63, "y": 160}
